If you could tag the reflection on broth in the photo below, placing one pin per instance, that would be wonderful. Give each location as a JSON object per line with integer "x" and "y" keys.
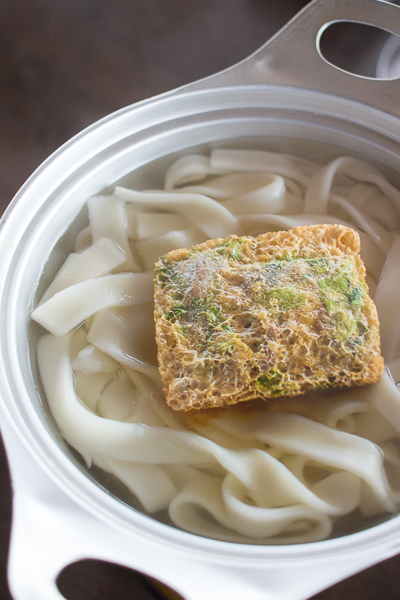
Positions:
{"x": 289, "y": 470}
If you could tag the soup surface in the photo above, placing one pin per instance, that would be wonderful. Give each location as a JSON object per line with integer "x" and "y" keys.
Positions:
{"x": 289, "y": 470}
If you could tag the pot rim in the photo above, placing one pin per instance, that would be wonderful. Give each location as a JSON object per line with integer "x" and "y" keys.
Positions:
{"x": 42, "y": 445}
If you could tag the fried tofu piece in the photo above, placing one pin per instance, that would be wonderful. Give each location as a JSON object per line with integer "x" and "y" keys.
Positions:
{"x": 264, "y": 317}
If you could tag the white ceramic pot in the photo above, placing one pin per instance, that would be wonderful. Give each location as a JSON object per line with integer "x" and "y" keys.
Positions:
{"x": 284, "y": 91}
{"x": 388, "y": 65}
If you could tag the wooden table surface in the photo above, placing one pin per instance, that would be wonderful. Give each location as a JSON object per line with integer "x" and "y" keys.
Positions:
{"x": 66, "y": 63}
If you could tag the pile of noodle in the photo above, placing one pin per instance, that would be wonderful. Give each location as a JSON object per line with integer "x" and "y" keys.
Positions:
{"x": 279, "y": 472}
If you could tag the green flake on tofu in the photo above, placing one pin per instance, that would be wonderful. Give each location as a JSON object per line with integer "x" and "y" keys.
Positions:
{"x": 342, "y": 295}
{"x": 318, "y": 264}
{"x": 271, "y": 380}
{"x": 355, "y": 297}
{"x": 231, "y": 249}
{"x": 325, "y": 386}
{"x": 175, "y": 312}
{"x": 286, "y": 298}
{"x": 226, "y": 345}
{"x": 205, "y": 308}
{"x": 171, "y": 275}
{"x": 271, "y": 271}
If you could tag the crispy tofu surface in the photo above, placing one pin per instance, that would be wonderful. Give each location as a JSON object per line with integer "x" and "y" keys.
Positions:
{"x": 265, "y": 317}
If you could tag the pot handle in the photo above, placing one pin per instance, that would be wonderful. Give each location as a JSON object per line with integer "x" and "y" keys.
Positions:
{"x": 292, "y": 57}
{"x": 51, "y": 529}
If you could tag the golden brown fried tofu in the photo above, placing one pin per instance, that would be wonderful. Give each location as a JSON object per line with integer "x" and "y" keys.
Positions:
{"x": 264, "y": 317}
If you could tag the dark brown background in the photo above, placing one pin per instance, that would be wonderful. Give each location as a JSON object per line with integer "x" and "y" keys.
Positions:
{"x": 65, "y": 64}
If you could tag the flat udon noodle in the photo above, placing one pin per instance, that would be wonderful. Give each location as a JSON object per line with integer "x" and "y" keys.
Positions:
{"x": 284, "y": 472}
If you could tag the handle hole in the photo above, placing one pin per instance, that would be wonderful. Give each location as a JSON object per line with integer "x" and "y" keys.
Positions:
{"x": 360, "y": 49}
{"x": 94, "y": 579}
